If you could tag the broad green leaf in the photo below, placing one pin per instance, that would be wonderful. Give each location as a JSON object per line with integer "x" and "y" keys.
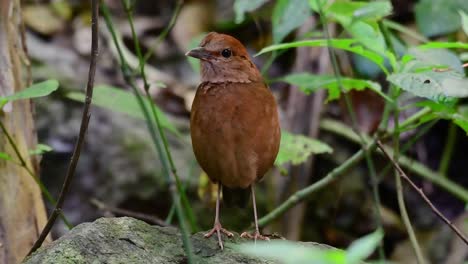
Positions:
{"x": 316, "y": 4}
{"x": 243, "y": 6}
{"x": 369, "y": 69}
{"x": 359, "y": 19}
{"x": 367, "y": 34}
{"x": 461, "y": 121}
{"x": 121, "y": 101}
{"x": 431, "y": 58}
{"x": 5, "y": 156}
{"x": 464, "y": 21}
{"x": 362, "y": 248}
{"x": 349, "y": 11}
{"x": 287, "y": 16}
{"x": 344, "y": 10}
{"x": 40, "y": 149}
{"x": 444, "y": 45}
{"x": 350, "y": 45}
{"x": 36, "y": 90}
{"x": 296, "y": 148}
{"x": 436, "y": 85}
{"x": 292, "y": 252}
{"x": 309, "y": 83}
{"x": 458, "y": 115}
{"x": 439, "y": 17}
{"x": 374, "y": 10}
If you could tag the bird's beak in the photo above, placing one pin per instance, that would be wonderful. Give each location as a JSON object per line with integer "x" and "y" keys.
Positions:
{"x": 199, "y": 53}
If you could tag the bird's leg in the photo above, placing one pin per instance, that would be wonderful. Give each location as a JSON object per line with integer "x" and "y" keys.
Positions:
{"x": 256, "y": 235}
{"x": 217, "y": 225}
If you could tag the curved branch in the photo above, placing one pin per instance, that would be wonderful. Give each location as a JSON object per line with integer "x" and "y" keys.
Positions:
{"x": 83, "y": 128}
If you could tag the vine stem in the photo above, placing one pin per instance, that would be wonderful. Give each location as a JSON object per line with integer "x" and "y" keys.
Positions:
{"x": 129, "y": 78}
{"x": 399, "y": 188}
{"x": 302, "y": 194}
{"x": 414, "y": 166}
{"x": 352, "y": 114}
{"x": 83, "y": 128}
{"x": 447, "y": 154}
{"x": 183, "y": 197}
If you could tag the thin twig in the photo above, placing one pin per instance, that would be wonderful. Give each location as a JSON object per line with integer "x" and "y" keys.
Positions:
{"x": 83, "y": 128}
{"x": 411, "y": 142}
{"x": 145, "y": 217}
{"x": 421, "y": 193}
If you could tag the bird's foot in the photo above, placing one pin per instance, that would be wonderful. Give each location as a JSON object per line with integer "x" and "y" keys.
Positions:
{"x": 219, "y": 229}
{"x": 255, "y": 236}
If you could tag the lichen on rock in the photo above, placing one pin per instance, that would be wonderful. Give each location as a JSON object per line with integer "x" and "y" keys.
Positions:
{"x": 128, "y": 240}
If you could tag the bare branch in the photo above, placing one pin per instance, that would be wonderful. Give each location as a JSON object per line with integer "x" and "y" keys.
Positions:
{"x": 421, "y": 193}
{"x": 83, "y": 128}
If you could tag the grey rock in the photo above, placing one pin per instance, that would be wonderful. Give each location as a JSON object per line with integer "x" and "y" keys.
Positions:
{"x": 127, "y": 240}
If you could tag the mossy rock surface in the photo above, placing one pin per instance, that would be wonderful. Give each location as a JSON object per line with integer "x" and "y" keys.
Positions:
{"x": 128, "y": 240}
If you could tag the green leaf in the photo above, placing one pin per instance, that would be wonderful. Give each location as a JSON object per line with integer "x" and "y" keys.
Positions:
{"x": 350, "y": 45}
{"x": 36, "y": 90}
{"x": 121, "y": 101}
{"x": 368, "y": 34}
{"x": 243, "y": 6}
{"x": 5, "y": 156}
{"x": 444, "y": 45}
{"x": 362, "y": 248}
{"x": 464, "y": 21}
{"x": 458, "y": 115}
{"x": 297, "y": 148}
{"x": 373, "y": 10}
{"x": 359, "y": 19}
{"x": 292, "y": 252}
{"x": 434, "y": 58}
{"x": 316, "y": 4}
{"x": 309, "y": 83}
{"x": 40, "y": 149}
{"x": 355, "y": 10}
{"x": 439, "y": 17}
{"x": 438, "y": 86}
{"x": 287, "y": 16}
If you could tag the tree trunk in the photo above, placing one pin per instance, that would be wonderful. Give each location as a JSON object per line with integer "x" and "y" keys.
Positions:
{"x": 22, "y": 212}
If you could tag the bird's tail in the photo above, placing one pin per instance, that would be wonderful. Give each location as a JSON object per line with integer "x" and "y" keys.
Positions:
{"x": 236, "y": 197}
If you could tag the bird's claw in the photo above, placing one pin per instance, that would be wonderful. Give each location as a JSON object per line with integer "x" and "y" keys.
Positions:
{"x": 255, "y": 236}
{"x": 219, "y": 229}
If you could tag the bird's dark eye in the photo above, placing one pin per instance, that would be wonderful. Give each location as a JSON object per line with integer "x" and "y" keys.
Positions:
{"x": 226, "y": 53}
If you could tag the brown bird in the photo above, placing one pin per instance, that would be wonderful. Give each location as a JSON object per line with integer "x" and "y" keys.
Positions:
{"x": 234, "y": 121}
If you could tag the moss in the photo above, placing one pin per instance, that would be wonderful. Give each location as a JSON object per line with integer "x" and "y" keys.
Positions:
{"x": 127, "y": 240}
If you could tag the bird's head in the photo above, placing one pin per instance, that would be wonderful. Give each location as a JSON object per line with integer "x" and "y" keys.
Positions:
{"x": 224, "y": 59}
